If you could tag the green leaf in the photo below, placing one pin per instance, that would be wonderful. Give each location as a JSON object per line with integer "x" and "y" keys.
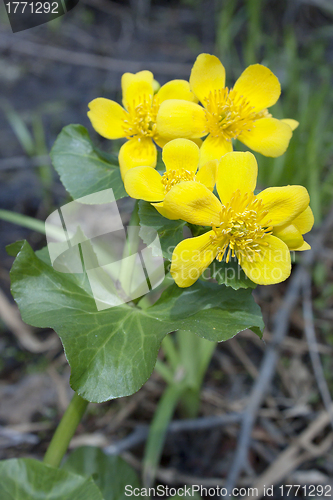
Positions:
{"x": 211, "y": 311}
{"x": 230, "y": 274}
{"x": 110, "y": 473}
{"x": 170, "y": 231}
{"x": 28, "y": 479}
{"x": 113, "y": 352}
{"x": 83, "y": 169}
{"x": 158, "y": 430}
{"x": 14, "y": 248}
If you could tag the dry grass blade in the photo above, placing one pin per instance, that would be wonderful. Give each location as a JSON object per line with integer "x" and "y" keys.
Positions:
{"x": 313, "y": 350}
{"x": 302, "y": 449}
{"x": 268, "y": 366}
{"x": 43, "y": 51}
{"x": 10, "y": 316}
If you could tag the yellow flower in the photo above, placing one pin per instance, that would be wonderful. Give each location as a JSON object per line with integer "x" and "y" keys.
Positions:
{"x": 258, "y": 230}
{"x": 240, "y": 112}
{"x": 137, "y": 120}
{"x": 181, "y": 159}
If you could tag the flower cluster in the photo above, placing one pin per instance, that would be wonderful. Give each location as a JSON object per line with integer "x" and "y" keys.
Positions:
{"x": 137, "y": 119}
{"x": 205, "y": 183}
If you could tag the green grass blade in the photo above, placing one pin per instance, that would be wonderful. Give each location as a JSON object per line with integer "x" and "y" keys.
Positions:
{"x": 157, "y": 431}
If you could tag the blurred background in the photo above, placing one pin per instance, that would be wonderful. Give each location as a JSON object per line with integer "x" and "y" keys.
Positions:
{"x": 48, "y": 75}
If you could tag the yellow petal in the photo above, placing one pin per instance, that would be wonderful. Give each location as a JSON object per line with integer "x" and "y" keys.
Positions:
{"x": 137, "y": 152}
{"x": 191, "y": 257}
{"x": 164, "y": 212}
{"x": 107, "y": 118}
{"x": 283, "y": 204}
{"x": 181, "y": 153}
{"x": 161, "y": 141}
{"x": 290, "y": 235}
{"x": 304, "y": 221}
{"x": 136, "y": 87}
{"x": 236, "y": 170}
{"x": 176, "y": 89}
{"x": 193, "y": 202}
{"x": 259, "y": 86}
{"x": 144, "y": 183}
{"x": 272, "y": 265}
{"x": 270, "y": 137}
{"x": 179, "y": 118}
{"x": 213, "y": 148}
{"x": 207, "y": 75}
{"x": 207, "y": 174}
{"x": 293, "y": 124}
{"x": 305, "y": 246}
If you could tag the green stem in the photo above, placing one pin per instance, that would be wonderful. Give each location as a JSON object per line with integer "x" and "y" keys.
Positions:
{"x": 30, "y": 223}
{"x": 130, "y": 248}
{"x": 195, "y": 355}
{"x": 65, "y": 431}
{"x": 164, "y": 371}
{"x": 23, "y": 220}
{"x": 158, "y": 429}
{"x": 171, "y": 353}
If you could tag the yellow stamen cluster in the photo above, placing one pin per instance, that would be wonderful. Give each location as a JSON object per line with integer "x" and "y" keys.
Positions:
{"x": 228, "y": 113}
{"x": 141, "y": 118}
{"x": 240, "y": 228}
{"x": 173, "y": 177}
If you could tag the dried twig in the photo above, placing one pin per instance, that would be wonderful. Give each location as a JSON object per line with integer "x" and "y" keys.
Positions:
{"x": 296, "y": 346}
{"x": 124, "y": 15}
{"x": 300, "y": 450}
{"x": 61, "y": 385}
{"x": 41, "y": 50}
{"x": 10, "y": 316}
{"x": 130, "y": 406}
{"x": 267, "y": 370}
{"x": 312, "y": 342}
{"x": 24, "y": 162}
{"x": 172, "y": 476}
{"x": 10, "y": 437}
{"x": 140, "y": 433}
{"x": 239, "y": 352}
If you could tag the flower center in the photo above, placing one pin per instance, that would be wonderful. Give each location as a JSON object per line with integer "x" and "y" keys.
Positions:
{"x": 228, "y": 113}
{"x": 240, "y": 231}
{"x": 141, "y": 117}
{"x": 173, "y": 177}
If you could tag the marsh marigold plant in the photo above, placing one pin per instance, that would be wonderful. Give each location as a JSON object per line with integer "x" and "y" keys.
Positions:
{"x": 259, "y": 230}
{"x": 111, "y": 337}
{"x": 226, "y": 114}
{"x": 137, "y": 119}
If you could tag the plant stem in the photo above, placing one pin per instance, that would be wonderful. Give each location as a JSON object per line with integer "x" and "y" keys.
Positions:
{"x": 23, "y": 220}
{"x": 130, "y": 248}
{"x": 30, "y": 223}
{"x": 158, "y": 429}
{"x": 65, "y": 431}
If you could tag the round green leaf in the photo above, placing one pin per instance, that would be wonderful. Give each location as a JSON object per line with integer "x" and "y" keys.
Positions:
{"x": 28, "y": 479}
{"x": 83, "y": 169}
{"x": 113, "y": 352}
